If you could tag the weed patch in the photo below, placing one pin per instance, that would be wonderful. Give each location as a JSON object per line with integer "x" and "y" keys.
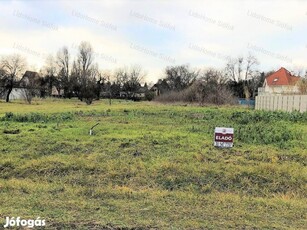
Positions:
{"x": 152, "y": 166}
{"x": 37, "y": 117}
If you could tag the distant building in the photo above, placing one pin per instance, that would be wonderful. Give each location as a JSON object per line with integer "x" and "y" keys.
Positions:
{"x": 30, "y": 80}
{"x": 280, "y": 82}
{"x": 160, "y": 87}
{"x": 56, "y": 93}
{"x": 139, "y": 94}
{"x": 17, "y": 94}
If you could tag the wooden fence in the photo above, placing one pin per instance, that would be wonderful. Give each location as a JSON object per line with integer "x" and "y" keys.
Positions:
{"x": 282, "y": 102}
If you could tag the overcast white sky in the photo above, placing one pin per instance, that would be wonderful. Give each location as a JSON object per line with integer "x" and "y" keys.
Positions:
{"x": 155, "y": 34}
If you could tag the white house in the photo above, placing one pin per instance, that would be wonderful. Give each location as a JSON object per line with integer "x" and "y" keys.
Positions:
{"x": 17, "y": 94}
{"x": 280, "y": 82}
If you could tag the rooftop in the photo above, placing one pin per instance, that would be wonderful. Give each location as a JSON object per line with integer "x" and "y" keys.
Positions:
{"x": 282, "y": 77}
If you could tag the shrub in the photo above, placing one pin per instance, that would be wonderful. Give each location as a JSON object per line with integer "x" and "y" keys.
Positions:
{"x": 267, "y": 116}
{"x": 261, "y": 133}
{"x": 149, "y": 95}
{"x": 171, "y": 97}
{"x": 201, "y": 93}
{"x": 37, "y": 117}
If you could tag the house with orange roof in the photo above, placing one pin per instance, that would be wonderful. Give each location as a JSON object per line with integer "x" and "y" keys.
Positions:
{"x": 280, "y": 82}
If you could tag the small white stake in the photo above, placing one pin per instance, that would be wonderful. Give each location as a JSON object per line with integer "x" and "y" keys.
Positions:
{"x": 92, "y": 131}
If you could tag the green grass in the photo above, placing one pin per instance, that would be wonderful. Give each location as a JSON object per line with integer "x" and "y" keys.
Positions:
{"x": 151, "y": 165}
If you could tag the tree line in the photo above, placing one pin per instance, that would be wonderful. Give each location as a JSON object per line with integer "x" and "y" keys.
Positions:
{"x": 81, "y": 77}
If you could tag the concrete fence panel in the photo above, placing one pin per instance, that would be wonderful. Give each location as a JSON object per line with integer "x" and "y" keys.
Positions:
{"x": 290, "y": 103}
{"x": 275, "y": 103}
{"x": 282, "y": 102}
{"x": 297, "y": 102}
{"x": 279, "y": 103}
{"x": 303, "y": 105}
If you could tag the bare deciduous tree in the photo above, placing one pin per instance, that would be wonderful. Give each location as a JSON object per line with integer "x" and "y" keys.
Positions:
{"x": 136, "y": 76}
{"x": 63, "y": 64}
{"x": 31, "y": 84}
{"x": 242, "y": 70}
{"x": 49, "y": 71}
{"x": 13, "y": 66}
{"x": 85, "y": 56}
{"x": 212, "y": 88}
{"x": 298, "y": 71}
{"x": 251, "y": 62}
{"x": 87, "y": 73}
{"x": 29, "y": 92}
{"x": 106, "y": 82}
{"x": 180, "y": 77}
{"x": 129, "y": 80}
{"x": 50, "y": 67}
{"x": 2, "y": 82}
{"x": 121, "y": 76}
{"x": 302, "y": 85}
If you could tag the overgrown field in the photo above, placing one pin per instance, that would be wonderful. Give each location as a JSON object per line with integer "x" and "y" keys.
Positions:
{"x": 151, "y": 166}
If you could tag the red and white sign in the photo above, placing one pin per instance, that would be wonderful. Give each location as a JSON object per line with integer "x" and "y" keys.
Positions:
{"x": 223, "y": 137}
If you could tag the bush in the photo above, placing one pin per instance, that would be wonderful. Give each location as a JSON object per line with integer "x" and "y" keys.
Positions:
{"x": 200, "y": 93}
{"x": 246, "y": 117}
{"x": 212, "y": 93}
{"x": 261, "y": 133}
{"x": 149, "y": 95}
{"x": 267, "y": 127}
{"x": 37, "y": 117}
{"x": 171, "y": 97}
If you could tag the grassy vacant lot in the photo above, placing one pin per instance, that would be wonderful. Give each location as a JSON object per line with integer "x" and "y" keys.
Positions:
{"x": 151, "y": 166}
